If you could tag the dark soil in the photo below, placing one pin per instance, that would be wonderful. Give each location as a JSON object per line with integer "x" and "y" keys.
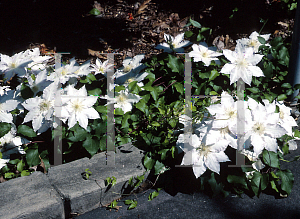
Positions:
{"x": 67, "y": 26}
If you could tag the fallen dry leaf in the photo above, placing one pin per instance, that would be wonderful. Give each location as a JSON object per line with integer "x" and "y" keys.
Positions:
{"x": 143, "y": 6}
{"x": 43, "y": 165}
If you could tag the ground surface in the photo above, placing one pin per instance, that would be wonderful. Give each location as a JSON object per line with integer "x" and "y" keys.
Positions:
{"x": 128, "y": 27}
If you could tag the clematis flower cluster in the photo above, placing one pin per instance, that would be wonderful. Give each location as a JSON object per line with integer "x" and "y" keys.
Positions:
{"x": 263, "y": 125}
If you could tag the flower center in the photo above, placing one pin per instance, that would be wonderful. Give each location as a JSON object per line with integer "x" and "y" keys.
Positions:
{"x": 203, "y": 150}
{"x": 77, "y": 106}
{"x": 101, "y": 69}
{"x": 224, "y": 130}
{"x": 205, "y": 54}
{"x": 259, "y": 128}
{"x": 242, "y": 63}
{"x": 281, "y": 114}
{"x": 129, "y": 80}
{"x": 174, "y": 45}
{"x": 231, "y": 113}
{"x": 128, "y": 68}
{"x": 13, "y": 65}
{"x": 252, "y": 43}
{"x": 44, "y": 105}
{"x": 122, "y": 98}
{"x": 64, "y": 72}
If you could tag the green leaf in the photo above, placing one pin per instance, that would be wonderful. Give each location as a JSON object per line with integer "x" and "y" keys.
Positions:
{"x": 119, "y": 111}
{"x": 9, "y": 175}
{"x": 125, "y": 123}
{"x": 154, "y": 94}
{"x": 203, "y": 29}
{"x": 132, "y": 204}
{"x": 287, "y": 180}
{"x": 273, "y": 184}
{"x": 200, "y": 37}
{"x": 297, "y": 133}
{"x": 253, "y": 89}
{"x": 95, "y": 11}
{"x": 95, "y": 92}
{"x": 4, "y": 128}
{"x": 286, "y": 85}
{"x": 213, "y": 75}
{"x": 102, "y": 143}
{"x": 281, "y": 97}
{"x": 91, "y": 145}
{"x": 79, "y": 134}
{"x": 173, "y": 63}
{"x": 141, "y": 105}
{"x": 159, "y": 168}
{"x": 283, "y": 53}
{"x": 237, "y": 180}
{"x": 270, "y": 158}
{"x": 188, "y": 33}
{"x": 261, "y": 40}
{"x": 195, "y": 23}
{"x": 101, "y": 109}
{"x": 172, "y": 122}
{"x": 297, "y": 86}
{"x": 32, "y": 156}
{"x": 25, "y": 173}
{"x": 264, "y": 181}
{"x": 26, "y": 92}
{"x": 148, "y": 162}
{"x": 26, "y": 131}
{"x": 268, "y": 97}
{"x": 179, "y": 87}
{"x": 163, "y": 153}
{"x": 255, "y": 182}
{"x": 153, "y": 194}
{"x": 20, "y": 166}
{"x": 154, "y": 123}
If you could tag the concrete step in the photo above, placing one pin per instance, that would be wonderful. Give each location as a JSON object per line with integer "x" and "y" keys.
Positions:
{"x": 63, "y": 190}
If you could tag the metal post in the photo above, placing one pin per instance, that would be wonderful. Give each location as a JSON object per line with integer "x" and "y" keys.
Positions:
{"x": 294, "y": 65}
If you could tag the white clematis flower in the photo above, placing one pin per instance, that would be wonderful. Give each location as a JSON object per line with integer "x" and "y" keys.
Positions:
{"x": 253, "y": 41}
{"x": 205, "y": 54}
{"x": 78, "y": 106}
{"x": 123, "y": 100}
{"x": 41, "y": 109}
{"x": 132, "y": 64}
{"x": 12, "y": 144}
{"x": 126, "y": 79}
{"x": 39, "y": 62}
{"x": 39, "y": 82}
{"x": 64, "y": 73}
{"x": 262, "y": 128}
{"x": 3, "y": 162}
{"x": 203, "y": 156}
{"x": 225, "y": 112}
{"x": 14, "y": 65}
{"x": 242, "y": 65}
{"x": 172, "y": 43}
{"x": 100, "y": 67}
{"x": 7, "y": 104}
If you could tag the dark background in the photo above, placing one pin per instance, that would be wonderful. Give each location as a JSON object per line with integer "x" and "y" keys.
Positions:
{"x": 66, "y": 26}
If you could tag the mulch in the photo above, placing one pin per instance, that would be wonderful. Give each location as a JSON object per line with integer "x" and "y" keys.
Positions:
{"x": 129, "y": 27}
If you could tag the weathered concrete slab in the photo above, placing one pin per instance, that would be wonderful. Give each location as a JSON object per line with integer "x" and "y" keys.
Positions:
{"x": 30, "y": 197}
